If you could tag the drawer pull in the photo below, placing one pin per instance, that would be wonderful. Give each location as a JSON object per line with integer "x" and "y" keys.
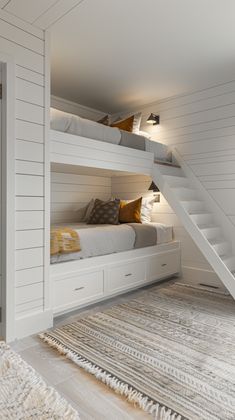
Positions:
{"x": 78, "y": 288}
{"x": 129, "y": 274}
{"x": 164, "y": 264}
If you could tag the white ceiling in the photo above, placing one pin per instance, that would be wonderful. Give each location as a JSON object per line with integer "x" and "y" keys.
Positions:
{"x": 117, "y": 54}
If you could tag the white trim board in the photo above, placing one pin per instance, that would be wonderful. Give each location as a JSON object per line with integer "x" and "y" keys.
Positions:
{"x": 74, "y": 108}
{"x": 8, "y": 196}
{"x": 70, "y": 149}
{"x": 196, "y": 276}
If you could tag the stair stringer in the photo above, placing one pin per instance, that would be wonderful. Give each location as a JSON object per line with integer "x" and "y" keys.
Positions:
{"x": 194, "y": 231}
{"x": 223, "y": 221}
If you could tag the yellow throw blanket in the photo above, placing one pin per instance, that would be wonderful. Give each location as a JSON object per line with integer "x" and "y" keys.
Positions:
{"x": 64, "y": 240}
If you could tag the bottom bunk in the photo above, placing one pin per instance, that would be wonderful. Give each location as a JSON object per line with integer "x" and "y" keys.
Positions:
{"x": 117, "y": 232}
{"x": 81, "y": 282}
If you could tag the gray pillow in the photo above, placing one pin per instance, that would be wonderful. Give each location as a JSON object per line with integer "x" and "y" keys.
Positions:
{"x": 105, "y": 212}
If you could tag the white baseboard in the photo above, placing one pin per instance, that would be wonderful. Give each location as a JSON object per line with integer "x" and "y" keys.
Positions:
{"x": 33, "y": 324}
{"x": 198, "y": 276}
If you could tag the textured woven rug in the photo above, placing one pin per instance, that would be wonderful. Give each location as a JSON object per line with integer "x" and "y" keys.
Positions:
{"x": 24, "y": 395}
{"x": 169, "y": 350}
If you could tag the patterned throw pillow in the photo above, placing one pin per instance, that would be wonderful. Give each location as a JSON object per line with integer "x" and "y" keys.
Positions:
{"x": 130, "y": 212}
{"x": 105, "y": 212}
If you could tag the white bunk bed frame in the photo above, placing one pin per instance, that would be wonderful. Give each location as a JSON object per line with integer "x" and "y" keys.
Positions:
{"x": 82, "y": 282}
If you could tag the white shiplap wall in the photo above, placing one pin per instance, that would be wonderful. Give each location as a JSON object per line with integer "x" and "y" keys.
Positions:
{"x": 26, "y": 45}
{"x": 70, "y": 194}
{"x": 201, "y": 125}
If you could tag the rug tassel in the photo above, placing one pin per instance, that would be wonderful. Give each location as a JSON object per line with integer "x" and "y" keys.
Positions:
{"x": 133, "y": 396}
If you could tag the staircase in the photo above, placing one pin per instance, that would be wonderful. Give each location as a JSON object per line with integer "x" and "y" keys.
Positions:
{"x": 201, "y": 217}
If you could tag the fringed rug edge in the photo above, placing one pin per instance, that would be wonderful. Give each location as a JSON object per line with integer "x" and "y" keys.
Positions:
{"x": 157, "y": 410}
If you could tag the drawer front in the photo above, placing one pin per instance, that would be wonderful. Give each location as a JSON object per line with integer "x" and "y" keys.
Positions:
{"x": 73, "y": 291}
{"x": 163, "y": 265}
{"x": 124, "y": 276}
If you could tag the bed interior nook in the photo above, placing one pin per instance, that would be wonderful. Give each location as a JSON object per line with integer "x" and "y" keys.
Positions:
{"x": 105, "y": 238}
{"x": 117, "y": 210}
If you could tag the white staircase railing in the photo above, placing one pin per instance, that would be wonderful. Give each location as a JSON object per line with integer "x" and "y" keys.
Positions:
{"x": 201, "y": 217}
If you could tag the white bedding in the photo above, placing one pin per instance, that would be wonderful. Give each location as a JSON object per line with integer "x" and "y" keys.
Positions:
{"x": 73, "y": 124}
{"x": 99, "y": 240}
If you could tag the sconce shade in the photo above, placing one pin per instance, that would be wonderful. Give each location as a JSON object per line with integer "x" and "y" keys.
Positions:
{"x": 153, "y": 119}
{"x": 153, "y": 187}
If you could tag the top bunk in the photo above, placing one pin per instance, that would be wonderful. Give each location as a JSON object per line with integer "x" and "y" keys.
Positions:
{"x": 78, "y": 141}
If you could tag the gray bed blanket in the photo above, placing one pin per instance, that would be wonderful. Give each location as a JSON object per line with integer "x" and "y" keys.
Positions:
{"x": 145, "y": 235}
{"x": 132, "y": 140}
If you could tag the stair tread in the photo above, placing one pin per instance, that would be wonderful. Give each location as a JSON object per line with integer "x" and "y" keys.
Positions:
{"x": 227, "y": 257}
{"x": 165, "y": 163}
{"x": 175, "y": 177}
{"x": 183, "y": 187}
{"x": 184, "y": 200}
{"x": 219, "y": 242}
{"x": 202, "y": 227}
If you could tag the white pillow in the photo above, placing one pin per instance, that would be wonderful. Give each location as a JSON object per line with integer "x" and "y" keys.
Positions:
{"x": 60, "y": 120}
{"x": 93, "y": 130}
{"x": 146, "y": 209}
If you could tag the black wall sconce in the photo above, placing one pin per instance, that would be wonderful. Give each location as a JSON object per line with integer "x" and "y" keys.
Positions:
{"x": 154, "y": 188}
{"x": 153, "y": 119}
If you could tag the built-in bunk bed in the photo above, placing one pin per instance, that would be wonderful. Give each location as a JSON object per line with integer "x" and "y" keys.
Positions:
{"x": 90, "y": 261}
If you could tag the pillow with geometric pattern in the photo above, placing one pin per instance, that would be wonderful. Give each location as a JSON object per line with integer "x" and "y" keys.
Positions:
{"x": 105, "y": 213}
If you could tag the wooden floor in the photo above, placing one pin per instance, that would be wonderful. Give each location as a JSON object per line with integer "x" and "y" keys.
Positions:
{"x": 91, "y": 398}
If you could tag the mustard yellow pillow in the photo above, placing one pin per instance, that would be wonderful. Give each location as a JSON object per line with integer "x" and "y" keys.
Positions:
{"x": 126, "y": 125}
{"x": 130, "y": 212}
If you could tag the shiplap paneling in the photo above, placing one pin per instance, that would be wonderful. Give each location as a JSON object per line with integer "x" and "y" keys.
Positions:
{"x": 29, "y": 92}
{"x": 29, "y": 276}
{"x": 29, "y": 112}
{"x": 26, "y": 44}
{"x": 30, "y": 76}
{"x": 25, "y": 130}
{"x": 70, "y": 193}
{"x": 29, "y": 168}
{"x": 29, "y": 239}
{"x": 201, "y": 125}
{"x": 29, "y": 185}
{"x": 27, "y": 150}
{"x": 29, "y": 203}
{"x": 27, "y": 220}
{"x": 28, "y": 258}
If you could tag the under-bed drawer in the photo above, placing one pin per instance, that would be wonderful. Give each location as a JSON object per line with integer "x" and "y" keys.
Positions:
{"x": 163, "y": 265}
{"x": 76, "y": 290}
{"x": 124, "y": 276}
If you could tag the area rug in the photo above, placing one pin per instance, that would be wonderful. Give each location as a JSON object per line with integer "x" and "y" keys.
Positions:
{"x": 169, "y": 350}
{"x": 24, "y": 395}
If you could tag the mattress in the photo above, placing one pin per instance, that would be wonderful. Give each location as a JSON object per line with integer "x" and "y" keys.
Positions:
{"x": 97, "y": 240}
{"x": 73, "y": 124}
